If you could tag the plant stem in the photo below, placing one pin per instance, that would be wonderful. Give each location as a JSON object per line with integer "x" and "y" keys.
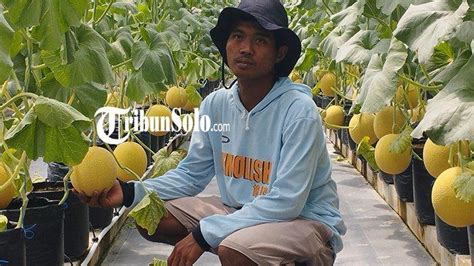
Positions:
{"x": 122, "y": 64}
{"x": 66, "y": 189}
{"x": 105, "y": 12}
{"x": 128, "y": 170}
{"x": 425, "y": 87}
{"x": 39, "y": 67}
{"x": 14, "y": 98}
{"x": 141, "y": 143}
{"x": 22, "y": 190}
{"x": 94, "y": 132}
{"x": 18, "y": 113}
{"x": 327, "y": 7}
{"x": 94, "y": 12}
{"x": 73, "y": 96}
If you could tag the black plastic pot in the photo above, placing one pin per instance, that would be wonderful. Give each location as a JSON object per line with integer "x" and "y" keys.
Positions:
{"x": 404, "y": 184}
{"x": 325, "y": 101}
{"x": 387, "y": 178}
{"x": 44, "y": 230}
{"x": 452, "y": 238}
{"x": 422, "y": 186}
{"x": 318, "y": 99}
{"x": 76, "y": 218}
{"x": 470, "y": 231}
{"x": 154, "y": 143}
{"x": 12, "y": 246}
{"x": 100, "y": 217}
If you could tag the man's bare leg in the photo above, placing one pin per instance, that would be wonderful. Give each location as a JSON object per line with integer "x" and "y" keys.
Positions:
{"x": 230, "y": 257}
{"x": 170, "y": 231}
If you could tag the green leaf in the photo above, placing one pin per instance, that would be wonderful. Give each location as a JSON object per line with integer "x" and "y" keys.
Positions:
{"x": 89, "y": 98}
{"x": 380, "y": 80}
{"x": 450, "y": 113}
{"x": 464, "y": 185}
{"x": 148, "y": 212}
{"x": 403, "y": 141}
{"x": 347, "y": 18}
{"x": 465, "y": 32}
{"x": 193, "y": 95}
{"x": 423, "y": 26}
{"x": 158, "y": 262}
{"x": 155, "y": 61}
{"x": 3, "y": 223}
{"x": 336, "y": 39}
{"x": 90, "y": 62}
{"x": 368, "y": 152}
{"x": 64, "y": 145}
{"x": 6, "y": 39}
{"x": 360, "y": 47}
{"x": 37, "y": 139}
{"x": 165, "y": 161}
{"x": 138, "y": 87}
{"x": 57, "y": 114}
{"x": 52, "y": 18}
{"x": 388, "y": 6}
{"x": 451, "y": 70}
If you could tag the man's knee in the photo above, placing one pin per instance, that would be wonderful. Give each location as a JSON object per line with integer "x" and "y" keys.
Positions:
{"x": 169, "y": 231}
{"x": 229, "y": 256}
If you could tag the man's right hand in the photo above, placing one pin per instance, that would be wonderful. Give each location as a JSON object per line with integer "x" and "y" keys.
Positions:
{"x": 107, "y": 198}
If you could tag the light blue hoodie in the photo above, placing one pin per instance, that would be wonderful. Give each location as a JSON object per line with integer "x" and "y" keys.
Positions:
{"x": 273, "y": 163}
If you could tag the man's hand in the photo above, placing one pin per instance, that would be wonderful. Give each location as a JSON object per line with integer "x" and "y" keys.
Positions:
{"x": 185, "y": 252}
{"x": 107, "y": 198}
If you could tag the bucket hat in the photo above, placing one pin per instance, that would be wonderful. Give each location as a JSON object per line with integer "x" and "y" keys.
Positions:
{"x": 270, "y": 15}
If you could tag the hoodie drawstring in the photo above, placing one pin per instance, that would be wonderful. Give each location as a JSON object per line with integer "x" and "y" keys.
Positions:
{"x": 247, "y": 123}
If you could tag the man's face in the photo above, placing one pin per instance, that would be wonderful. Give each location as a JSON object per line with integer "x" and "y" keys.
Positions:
{"x": 251, "y": 51}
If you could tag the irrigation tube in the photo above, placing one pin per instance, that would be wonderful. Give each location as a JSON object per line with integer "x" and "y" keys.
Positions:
{"x": 470, "y": 232}
{"x": 94, "y": 246}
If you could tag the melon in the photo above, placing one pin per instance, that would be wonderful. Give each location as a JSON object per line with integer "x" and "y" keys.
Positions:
{"x": 6, "y": 195}
{"x": 362, "y": 125}
{"x": 96, "y": 172}
{"x": 334, "y": 116}
{"x": 383, "y": 121}
{"x": 327, "y": 82}
{"x": 391, "y": 162}
{"x": 159, "y": 113}
{"x": 176, "y": 97}
{"x": 133, "y": 156}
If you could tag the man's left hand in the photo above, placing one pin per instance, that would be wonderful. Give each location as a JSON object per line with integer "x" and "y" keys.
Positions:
{"x": 185, "y": 252}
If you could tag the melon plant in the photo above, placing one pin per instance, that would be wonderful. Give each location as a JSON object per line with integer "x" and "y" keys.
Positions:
{"x": 176, "y": 97}
{"x": 447, "y": 205}
{"x": 388, "y": 161}
{"x": 132, "y": 156}
{"x": 384, "y": 122}
{"x": 97, "y": 171}
{"x": 327, "y": 83}
{"x": 159, "y": 113}
{"x": 334, "y": 116}
{"x": 362, "y": 125}
{"x": 166, "y": 160}
{"x": 7, "y": 190}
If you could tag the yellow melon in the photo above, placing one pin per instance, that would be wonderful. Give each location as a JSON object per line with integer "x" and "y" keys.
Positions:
{"x": 362, "y": 125}
{"x": 411, "y": 92}
{"x": 436, "y": 157}
{"x": 390, "y": 162}
{"x": 158, "y": 113}
{"x": 450, "y": 209}
{"x": 133, "y": 156}
{"x": 334, "y": 116}
{"x": 96, "y": 172}
{"x": 6, "y": 195}
{"x": 176, "y": 97}
{"x": 383, "y": 121}
{"x": 327, "y": 82}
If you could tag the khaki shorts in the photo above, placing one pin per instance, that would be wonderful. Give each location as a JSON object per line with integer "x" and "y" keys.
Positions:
{"x": 266, "y": 244}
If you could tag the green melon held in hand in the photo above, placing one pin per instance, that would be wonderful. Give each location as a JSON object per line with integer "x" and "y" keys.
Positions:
{"x": 97, "y": 171}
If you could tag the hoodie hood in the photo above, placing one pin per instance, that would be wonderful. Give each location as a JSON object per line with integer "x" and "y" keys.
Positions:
{"x": 281, "y": 86}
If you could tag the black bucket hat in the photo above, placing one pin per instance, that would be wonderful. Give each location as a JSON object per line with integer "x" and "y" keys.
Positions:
{"x": 271, "y": 15}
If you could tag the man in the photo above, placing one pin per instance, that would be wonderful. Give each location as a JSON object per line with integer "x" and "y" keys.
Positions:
{"x": 278, "y": 203}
